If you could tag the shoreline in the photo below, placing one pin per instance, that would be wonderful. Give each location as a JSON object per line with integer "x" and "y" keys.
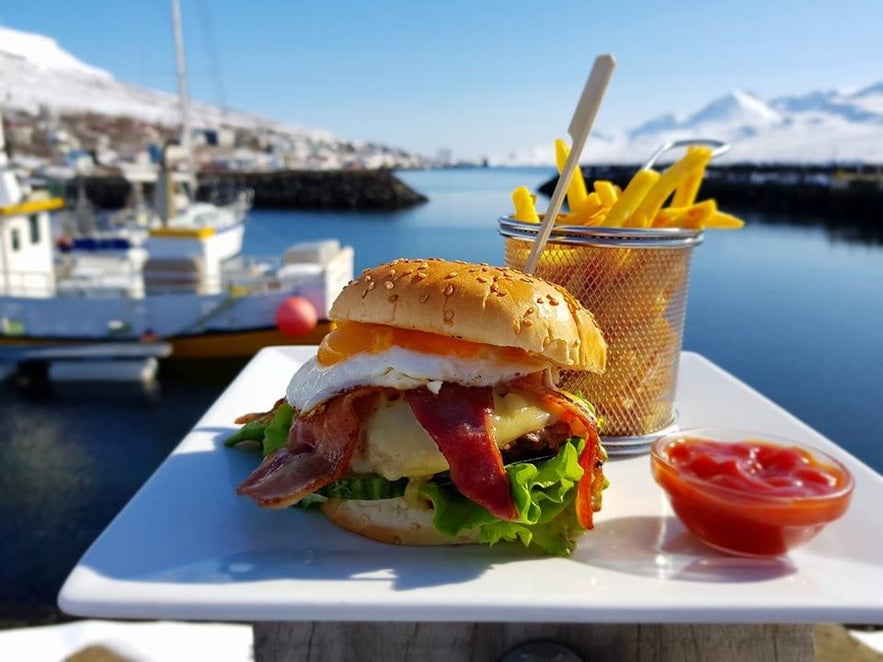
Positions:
{"x": 327, "y": 190}
{"x": 844, "y": 200}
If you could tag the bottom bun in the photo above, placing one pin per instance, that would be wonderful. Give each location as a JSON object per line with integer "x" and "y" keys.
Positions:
{"x": 391, "y": 521}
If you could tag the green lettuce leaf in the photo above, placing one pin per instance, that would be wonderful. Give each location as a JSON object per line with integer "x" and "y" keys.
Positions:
{"x": 250, "y": 432}
{"x": 276, "y": 433}
{"x": 544, "y": 494}
{"x": 270, "y": 434}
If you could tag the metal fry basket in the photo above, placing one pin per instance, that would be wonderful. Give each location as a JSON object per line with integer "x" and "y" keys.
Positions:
{"x": 635, "y": 284}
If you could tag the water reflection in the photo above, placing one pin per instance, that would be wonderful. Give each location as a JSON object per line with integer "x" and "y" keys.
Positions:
{"x": 846, "y": 229}
{"x": 72, "y": 455}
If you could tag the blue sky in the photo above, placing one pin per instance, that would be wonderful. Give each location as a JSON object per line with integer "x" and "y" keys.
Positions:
{"x": 479, "y": 77}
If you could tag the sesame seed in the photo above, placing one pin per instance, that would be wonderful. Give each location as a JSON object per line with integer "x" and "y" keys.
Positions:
{"x": 553, "y": 301}
{"x": 530, "y": 310}
{"x": 392, "y": 273}
{"x": 481, "y": 280}
{"x": 539, "y": 299}
{"x": 371, "y": 285}
{"x": 420, "y": 276}
{"x": 449, "y": 315}
{"x": 526, "y": 323}
{"x": 424, "y": 298}
{"x": 388, "y": 284}
{"x": 453, "y": 274}
{"x": 449, "y": 290}
{"x": 500, "y": 294}
{"x": 367, "y": 276}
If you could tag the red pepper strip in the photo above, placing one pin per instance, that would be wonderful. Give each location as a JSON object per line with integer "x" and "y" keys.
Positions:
{"x": 458, "y": 420}
{"x": 581, "y": 425}
{"x": 590, "y": 481}
{"x": 317, "y": 453}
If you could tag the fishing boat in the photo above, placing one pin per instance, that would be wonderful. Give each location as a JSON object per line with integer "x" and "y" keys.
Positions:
{"x": 167, "y": 281}
{"x": 178, "y": 286}
{"x": 175, "y": 206}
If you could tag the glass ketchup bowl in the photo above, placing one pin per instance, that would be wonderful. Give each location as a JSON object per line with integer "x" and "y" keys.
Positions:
{"x": 748, "y": 493}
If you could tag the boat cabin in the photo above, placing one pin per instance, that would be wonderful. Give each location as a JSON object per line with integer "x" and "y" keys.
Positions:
{"x": 26, "y": 266}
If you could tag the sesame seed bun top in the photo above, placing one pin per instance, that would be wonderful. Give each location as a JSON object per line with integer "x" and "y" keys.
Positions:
{"x": 476, "y": 302}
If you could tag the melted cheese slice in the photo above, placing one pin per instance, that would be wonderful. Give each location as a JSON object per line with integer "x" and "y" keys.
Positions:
{"x": 396, "y": 445}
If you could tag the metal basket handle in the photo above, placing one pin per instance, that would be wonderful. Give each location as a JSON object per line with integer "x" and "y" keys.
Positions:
{"x": 719, "y": 147}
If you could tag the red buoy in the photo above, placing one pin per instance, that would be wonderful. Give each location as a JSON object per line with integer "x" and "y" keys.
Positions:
{"x": 296, "y": 316}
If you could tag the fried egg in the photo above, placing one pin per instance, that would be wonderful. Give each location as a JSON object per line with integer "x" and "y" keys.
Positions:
{"x": 401, "y": 369}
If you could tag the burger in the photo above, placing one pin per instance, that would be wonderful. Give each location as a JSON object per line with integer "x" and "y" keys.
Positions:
{"x": 430, "y": 415}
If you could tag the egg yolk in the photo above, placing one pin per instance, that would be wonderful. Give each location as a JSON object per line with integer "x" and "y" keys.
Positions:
{"x": 350, "y": 338}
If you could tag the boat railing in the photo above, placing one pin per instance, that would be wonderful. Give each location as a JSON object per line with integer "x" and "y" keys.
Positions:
{"x": 19, "y": 283}
{"x": 239, "y": 276}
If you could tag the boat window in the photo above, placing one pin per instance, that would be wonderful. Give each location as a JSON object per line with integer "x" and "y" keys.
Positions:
{"x": 16, "y": 241}
{"x": 34, "y": 222}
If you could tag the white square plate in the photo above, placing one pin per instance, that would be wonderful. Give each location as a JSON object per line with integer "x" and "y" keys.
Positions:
{"x": 186, "y": 547}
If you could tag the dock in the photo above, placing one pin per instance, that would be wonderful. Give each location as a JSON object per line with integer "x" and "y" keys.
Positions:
{"x": 104, "y": 361}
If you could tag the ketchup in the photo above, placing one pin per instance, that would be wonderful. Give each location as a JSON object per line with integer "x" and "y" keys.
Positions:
{"x": 750, "y": 497}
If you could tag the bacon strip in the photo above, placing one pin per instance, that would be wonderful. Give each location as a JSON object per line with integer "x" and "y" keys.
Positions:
{"x": 317, "y": 453}
{"x": 581, "y": 425}
{"x": 458, "y": 420}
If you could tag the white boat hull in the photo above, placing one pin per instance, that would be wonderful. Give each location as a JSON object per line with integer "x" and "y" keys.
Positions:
{"x": 242, "y": 305}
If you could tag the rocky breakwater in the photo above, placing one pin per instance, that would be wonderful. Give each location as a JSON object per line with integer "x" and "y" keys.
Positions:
{"x": 848, "y": 202}
{"x": 284, "y": 189}
{"x": 321, "y": 189}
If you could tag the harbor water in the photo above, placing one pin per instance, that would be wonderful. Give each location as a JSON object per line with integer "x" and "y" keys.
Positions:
{"x": 786, "y": 304}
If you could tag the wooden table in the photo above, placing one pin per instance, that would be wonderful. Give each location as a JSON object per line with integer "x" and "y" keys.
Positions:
{"x": 451, "y": 642}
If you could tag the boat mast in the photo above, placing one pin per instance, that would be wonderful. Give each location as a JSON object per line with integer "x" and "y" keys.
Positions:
{"x": 183, "y": 94}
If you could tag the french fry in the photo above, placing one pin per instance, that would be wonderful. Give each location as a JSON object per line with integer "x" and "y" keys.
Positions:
{"x": 637, "y": 188}
{"x": 590, "y": 207}
{"x": 723, "y": 221}
{"x": 525, "y": 209}
{"x": 676, "y": 174}
{"x": 685, "y": 195}
{"x": 595, "y": 219}
{"x": 568, "y": 218}
{"x": 697, "y": 217}
{"x": 576, "y": 188}
{"x": 606, "y": 192}
{"x": 693, "y": 217}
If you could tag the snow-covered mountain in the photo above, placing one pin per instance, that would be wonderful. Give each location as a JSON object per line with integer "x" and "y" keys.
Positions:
{"x": 37, "y": 74}
{"x": 817, "y": 127}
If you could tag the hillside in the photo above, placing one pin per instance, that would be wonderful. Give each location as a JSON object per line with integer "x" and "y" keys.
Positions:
{"x": 46, "y": 92}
